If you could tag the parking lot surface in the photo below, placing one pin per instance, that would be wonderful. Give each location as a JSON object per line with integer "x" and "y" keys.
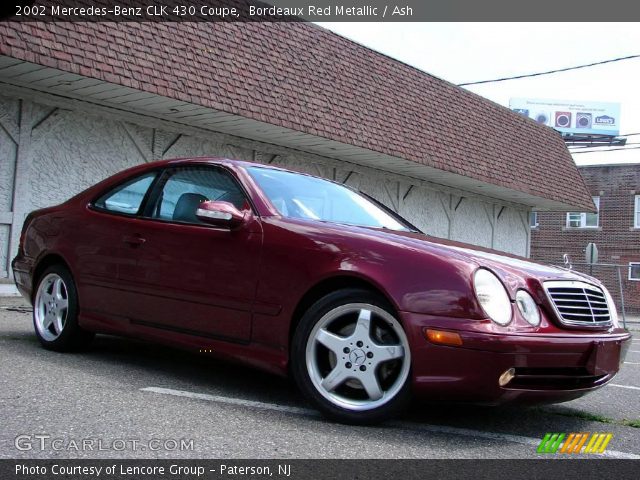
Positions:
{"x": 129, "y": 399}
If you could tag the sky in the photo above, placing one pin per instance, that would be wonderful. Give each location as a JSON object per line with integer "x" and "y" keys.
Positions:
{"x": 466, "y": 52}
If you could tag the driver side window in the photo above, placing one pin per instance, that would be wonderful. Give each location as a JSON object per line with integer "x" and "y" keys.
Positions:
{"x": 187, "y": 188}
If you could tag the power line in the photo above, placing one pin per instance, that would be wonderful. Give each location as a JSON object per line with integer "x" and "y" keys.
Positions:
{"x": 549, "y": 72}
{"x": 604, "y": 145}
{"x": 605, "y": 151}
{"x": 600, "y": 146}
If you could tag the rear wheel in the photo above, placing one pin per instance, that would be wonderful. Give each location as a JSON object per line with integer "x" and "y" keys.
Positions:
{"x": 351, "y": 357}
{"x": 55, "y": 311}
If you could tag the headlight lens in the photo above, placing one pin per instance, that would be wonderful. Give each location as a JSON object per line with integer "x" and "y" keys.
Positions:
{"x": 492, "y": 296}
{"x": 528, "y": 308}
{"x": 613, "y": 312}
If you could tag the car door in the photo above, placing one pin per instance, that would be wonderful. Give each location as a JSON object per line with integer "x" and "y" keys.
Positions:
{"x": 99, "y": 249}
{"x": 191, "y": 277}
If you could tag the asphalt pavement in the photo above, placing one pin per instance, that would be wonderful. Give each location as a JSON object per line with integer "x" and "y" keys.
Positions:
{"x": 130, "y": 399}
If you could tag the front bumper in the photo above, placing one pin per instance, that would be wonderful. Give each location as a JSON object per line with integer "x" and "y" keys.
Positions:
{"x": 548, "y": 367}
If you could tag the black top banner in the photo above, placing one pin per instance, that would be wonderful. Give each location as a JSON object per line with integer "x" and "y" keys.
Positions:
{"x": 320, "y": 10}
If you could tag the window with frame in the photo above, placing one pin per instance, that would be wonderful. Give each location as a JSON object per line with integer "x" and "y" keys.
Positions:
{"x": 585, "y": 220}
{"x": 636, "y": 212}
{"x": 186, "y": 188}
{"x": 296, "y": 195}
{"x": 127, "y": 197}
{"x": 634, "y": 271}
{"x": 533, "y": 219}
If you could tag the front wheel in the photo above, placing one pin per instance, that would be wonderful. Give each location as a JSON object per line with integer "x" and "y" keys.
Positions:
{"x": 55, "y": 311}
{"x": 351, "y": 357}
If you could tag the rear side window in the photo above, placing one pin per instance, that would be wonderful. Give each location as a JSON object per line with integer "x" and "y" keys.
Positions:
{"x": 127, "y": 197}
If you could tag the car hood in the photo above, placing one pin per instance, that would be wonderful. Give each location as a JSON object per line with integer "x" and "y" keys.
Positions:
{"x": 504, "y": 264}
{"x": 515, "y": 271}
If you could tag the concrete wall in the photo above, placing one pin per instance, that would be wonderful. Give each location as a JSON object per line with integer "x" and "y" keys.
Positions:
{"x": 48, "y": 152}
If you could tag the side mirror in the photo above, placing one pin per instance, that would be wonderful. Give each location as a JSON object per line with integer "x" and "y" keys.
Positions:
{"x": 220, "y": 214}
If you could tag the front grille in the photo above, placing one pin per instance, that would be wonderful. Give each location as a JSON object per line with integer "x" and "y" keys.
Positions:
{"x": 579, "y": 303}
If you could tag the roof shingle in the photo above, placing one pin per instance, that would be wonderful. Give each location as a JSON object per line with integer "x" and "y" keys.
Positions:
{"x": 303, "y": 77}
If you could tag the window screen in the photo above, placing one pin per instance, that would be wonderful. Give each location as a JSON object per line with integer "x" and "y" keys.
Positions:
{"x": 585, "y": 220}
{"x": 634, "y": 271}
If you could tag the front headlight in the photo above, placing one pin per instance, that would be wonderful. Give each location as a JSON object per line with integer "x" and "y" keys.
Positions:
{"x": 613, "y": 312}
{"x": 493, "y": 297}
{"x": 528, "y": 308}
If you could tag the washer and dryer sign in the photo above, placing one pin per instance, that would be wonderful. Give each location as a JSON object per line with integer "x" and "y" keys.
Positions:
{"x": 583, "y": 120}
{"x": 563, "y": 119}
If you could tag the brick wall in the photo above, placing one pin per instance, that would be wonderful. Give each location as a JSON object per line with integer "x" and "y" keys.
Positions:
{"x": 617, "y": 240}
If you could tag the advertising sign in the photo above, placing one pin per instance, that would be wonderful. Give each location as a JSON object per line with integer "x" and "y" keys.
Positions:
{"x": 572, "y": 117}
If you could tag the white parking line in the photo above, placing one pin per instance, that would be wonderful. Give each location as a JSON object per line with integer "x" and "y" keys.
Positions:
{"x": 231, "y": 401}
{"x": 624, "y": 386}
{"x": 408, "y": 425}
{"x": 634, "y": 351}
{"x": 631, "y": 363}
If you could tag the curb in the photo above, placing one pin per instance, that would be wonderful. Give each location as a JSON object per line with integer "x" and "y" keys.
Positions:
{"x": 8, "y": 290}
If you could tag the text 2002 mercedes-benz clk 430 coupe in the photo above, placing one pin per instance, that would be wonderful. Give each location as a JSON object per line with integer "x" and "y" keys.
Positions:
{"x": 295, "y": 274}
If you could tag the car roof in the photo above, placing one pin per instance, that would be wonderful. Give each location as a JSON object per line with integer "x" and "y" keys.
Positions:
{"x": 216, "y": 161}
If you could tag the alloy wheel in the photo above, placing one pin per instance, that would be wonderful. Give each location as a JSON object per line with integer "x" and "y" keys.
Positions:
{"x": 51, "y": 307}
{"x": 358, "y": 356}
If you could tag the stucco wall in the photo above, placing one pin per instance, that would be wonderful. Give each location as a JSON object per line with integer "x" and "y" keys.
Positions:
{"x": 52, "y": 152}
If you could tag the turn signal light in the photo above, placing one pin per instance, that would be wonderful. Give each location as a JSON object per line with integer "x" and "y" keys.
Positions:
{"x": 443, "y": 337}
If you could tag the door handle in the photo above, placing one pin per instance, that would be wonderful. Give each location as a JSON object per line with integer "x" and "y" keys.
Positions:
{"x": 134, "y": 240}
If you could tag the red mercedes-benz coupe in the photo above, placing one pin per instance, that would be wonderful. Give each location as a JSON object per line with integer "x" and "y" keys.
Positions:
{"x": 295, "y": 274}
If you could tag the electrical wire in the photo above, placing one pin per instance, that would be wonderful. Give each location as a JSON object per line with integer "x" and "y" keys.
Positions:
{"x": 605, "y": 151}
{"x": 580, "y": 147}
{"x": 549, "y": 72}
{"x": 606, "y": 145}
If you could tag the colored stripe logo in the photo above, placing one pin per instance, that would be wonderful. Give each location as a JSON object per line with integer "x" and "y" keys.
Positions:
{"x": 574, "y": 442}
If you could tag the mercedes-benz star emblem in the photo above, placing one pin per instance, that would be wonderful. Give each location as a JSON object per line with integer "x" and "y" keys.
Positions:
{"x": 357, "y": 356}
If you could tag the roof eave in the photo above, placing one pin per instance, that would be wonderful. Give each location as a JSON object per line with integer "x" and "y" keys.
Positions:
{"x": 58, "y": 84}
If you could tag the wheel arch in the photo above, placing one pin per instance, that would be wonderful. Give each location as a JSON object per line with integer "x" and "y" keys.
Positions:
{"x": 332, "y": 284}
{"x": 42, "y": 264}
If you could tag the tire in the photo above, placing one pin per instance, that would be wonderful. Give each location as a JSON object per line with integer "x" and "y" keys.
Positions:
{"x": 351, "y": 358}
{"x": 55, "y": 312}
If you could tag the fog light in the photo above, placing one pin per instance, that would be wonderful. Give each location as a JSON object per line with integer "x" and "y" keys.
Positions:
{"x": 528, "y": 308}
{"x": 443, "y": 337}
{"x": 506, "y": 377}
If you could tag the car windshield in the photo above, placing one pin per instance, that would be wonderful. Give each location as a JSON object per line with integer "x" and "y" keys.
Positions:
{"x": 301, "y": 196}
